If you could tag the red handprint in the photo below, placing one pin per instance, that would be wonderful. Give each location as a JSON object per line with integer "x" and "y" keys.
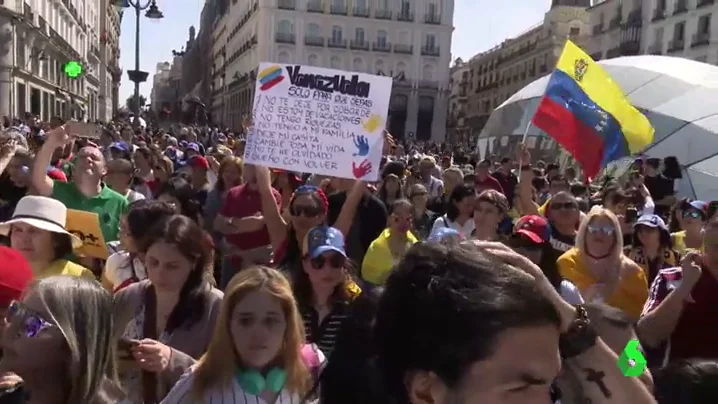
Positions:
{"x": 362, "y": 169}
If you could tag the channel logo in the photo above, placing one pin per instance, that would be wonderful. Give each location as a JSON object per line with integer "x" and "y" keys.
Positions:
{"x": 632, "y": 362}
{"x": 270, "y": 77}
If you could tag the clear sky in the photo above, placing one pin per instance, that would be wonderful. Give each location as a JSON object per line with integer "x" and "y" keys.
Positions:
{"x": 479, "y": 25}
{"x": 157, "y": 39}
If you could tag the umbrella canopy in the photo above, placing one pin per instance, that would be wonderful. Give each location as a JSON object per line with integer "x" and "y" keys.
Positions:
{"x": 680, "y": 98}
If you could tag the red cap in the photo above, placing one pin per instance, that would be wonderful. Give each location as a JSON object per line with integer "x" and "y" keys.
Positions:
{"x": 15, "y": 275}
{"x": 199, "y": 162}
{"x": 535, "y": 227}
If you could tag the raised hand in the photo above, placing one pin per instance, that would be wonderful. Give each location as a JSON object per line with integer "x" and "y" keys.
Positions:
{"x": 362, "y": 145}
{"x": 362, "y": 169}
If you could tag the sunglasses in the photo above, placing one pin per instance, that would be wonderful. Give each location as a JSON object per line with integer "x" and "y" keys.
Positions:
{"x": 334, "y": 261}
{"x": 563, "y": 206}
{"x": 398, "y": 219}
{"x": 694, "y": 214}
{"x": 607, "y": 230}
{"x": 33, "y": 323}
{"x": 307, "y": 211}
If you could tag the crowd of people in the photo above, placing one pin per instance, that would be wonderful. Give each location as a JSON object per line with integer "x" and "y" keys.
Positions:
{"x": 450, "y": 280}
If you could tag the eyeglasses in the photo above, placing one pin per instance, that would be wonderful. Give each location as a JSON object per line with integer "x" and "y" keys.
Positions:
{"x": 33, "y": 323}
{"x": 607, "y": 230}
{"x": 307, "y": 211}
{"x": 334, "y": 261}
{"x": 563, "y": 206}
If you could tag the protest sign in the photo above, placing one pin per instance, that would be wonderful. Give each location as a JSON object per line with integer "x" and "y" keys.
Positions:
{"x": 316, "y": 120}
{"x": 86, "y": 226}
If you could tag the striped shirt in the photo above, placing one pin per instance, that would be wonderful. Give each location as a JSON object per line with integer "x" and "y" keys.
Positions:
{"x": 326, "y": 333}
{"x": 229, "y": 394}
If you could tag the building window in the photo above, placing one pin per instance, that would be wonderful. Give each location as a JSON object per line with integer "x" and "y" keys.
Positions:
{"x": 432, "y": 10}
{"x": 336, "y": 33}
{"x": 314, "y": 31}
{"x": 383, "y": 4}
{"x": 285, "y": 27}
{"x": 360, "y": 4}
{"x": 679, "y": 31}
{"x": 405, "y": 8}
{"x": 574, "y": 31}
{"x": 704, "y": 24}
{"x": 359, "y": 35}
{"x": 430, "y": 41}
{"x": 381, "y": 38}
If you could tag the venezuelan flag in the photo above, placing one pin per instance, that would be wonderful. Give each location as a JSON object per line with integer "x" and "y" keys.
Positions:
{"x": 586, "y": 112}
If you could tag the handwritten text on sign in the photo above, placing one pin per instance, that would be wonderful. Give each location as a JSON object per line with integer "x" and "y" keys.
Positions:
{"x": 317, "y": 120}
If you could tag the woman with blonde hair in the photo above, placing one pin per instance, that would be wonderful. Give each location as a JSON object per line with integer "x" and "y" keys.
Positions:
{"x": 599, "y": 268}
{"x": 257, "y": 353}
{"x": 59, "y": 341}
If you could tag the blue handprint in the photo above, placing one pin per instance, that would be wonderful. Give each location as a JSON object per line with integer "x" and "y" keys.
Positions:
{"x": 362, "y": 145}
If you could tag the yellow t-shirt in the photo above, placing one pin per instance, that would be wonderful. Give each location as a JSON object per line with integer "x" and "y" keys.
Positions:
{"x": 65, "y": 267}
{"x": 630, "y": 294}
{"x": 378, "y": 260}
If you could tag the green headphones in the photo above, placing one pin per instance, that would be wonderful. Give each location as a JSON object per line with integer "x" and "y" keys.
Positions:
{"x": 253, "y": 382}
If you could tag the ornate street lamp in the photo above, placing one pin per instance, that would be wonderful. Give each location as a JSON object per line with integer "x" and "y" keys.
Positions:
{"x": 137, "y": 76}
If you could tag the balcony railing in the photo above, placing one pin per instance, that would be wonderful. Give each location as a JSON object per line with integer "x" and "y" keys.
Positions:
{"x": 703, "y": 3}
{"x": 314, "y": 41}
{"x": 701, "y": 39}
{"x": 681, "y": 7}
{"x": 407, "y": 16}
{"x": 430, "y": 50}
{"x": 615, "y": 22}
{"x": 360, "y": 12}
{"x": 286, "y": 5}
{"x": 358, "y": 44}
{"x": 658, "y": 14}
{"x": 431, "y": 18}
{"x": 315, "y": 7}
{"x": 381, "y": 47}
{"x": 338, "y": 9}
{"x": 655, "y": 49}
{"x": 676, "y": 45}
{"x": 383, "y": 14}
{"x": 404, "y": 49}
{"x": 283, "y": 37}
{"x": 337, "y": 43}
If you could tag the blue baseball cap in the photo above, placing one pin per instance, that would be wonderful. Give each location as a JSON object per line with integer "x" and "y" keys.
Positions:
{"x": 321, "y": 239}
{"x": 654, "y": 221}
{"x": 121, "y": 146}
{"x": 443, "y": 234}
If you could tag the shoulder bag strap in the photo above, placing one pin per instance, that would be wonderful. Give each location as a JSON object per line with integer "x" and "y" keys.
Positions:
{"x": 149, "y": 330}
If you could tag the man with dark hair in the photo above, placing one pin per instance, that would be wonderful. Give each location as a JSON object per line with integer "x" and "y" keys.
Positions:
{"x": 479, "y": 323}
{"x": 507, "y": 178}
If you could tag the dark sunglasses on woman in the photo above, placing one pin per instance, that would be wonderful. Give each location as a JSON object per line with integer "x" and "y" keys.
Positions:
{"x": 307, "y": 211}
{"x": 334, "y": 261}
{"x": 563, "y": 206}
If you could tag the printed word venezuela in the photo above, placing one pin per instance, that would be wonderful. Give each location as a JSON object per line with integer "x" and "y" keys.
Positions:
{"x": 331, "y": 84}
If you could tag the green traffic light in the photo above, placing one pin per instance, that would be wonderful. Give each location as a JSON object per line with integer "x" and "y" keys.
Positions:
{"x": 73, "y": 69}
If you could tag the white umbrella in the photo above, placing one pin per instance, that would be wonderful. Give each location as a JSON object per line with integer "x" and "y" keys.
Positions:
{"x": 679, "y": 96}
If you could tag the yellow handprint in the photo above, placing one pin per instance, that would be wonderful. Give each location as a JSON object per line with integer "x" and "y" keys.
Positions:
{"x": 372, "y": 124}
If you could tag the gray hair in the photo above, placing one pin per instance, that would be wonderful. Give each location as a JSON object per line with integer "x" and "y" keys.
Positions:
{"x": 82, "y": 310}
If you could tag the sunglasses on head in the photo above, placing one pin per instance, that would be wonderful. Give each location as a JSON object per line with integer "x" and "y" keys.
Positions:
{"x": 308, "y": 211}
{"x": 607, "y": 230}
{"x": 563, "y": 206}
{"x": 32, "y": 323}
{"x": 333, "y": 260}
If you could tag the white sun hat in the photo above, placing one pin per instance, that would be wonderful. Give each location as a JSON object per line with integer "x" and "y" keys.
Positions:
{"x": 41, "y": 212}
